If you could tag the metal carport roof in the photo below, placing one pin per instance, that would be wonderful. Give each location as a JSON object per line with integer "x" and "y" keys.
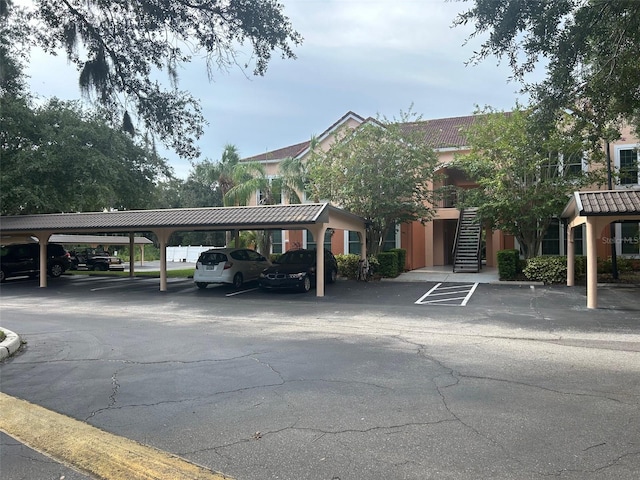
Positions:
{"x": 316, "y": 217}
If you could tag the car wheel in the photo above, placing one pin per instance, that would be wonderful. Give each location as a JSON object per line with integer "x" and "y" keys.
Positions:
{"x": 333, "y": 276}
{"x": 3, "y": 276}
{"x": 201, "y": 285}
{"x": 306, "y": 284}
{"x": 101, "y": 267}
{"x": 56, "y": 270}
{"x": 237, "y": 280}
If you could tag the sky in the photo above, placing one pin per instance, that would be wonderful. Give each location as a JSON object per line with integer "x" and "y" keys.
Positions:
{"x": 372, "y": 57}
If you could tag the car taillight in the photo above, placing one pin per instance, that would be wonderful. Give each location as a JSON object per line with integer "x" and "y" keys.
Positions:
{"x": 227, "y": 265}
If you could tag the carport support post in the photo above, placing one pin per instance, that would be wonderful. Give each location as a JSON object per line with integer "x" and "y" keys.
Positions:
{"x": 163, "y": 237}
{"x": 592, "y": 264}
{"x": 318, "y": 231}
{"x": 571, "y": 259}
{"x": 132, "y": 255}
{"x": 43, "y": 240}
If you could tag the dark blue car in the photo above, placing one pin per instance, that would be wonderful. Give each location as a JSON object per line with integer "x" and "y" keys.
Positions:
{"x": 296, "y": 269}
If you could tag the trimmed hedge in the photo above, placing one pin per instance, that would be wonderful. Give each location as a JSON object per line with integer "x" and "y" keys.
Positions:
{"x": 508, "y": 262}
{"x": 388, "y": 264}
{"x": 546, "y": 269}
{"x": 348, "y": 265}
{"x": 402, "y": 258}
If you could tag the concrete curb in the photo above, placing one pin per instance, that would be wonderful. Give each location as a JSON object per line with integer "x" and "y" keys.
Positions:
{"x": 10, "y": 344}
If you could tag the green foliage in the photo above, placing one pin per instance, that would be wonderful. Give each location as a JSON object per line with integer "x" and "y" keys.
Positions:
{"x": 120, "y": 49}
{"x": 590, "y": 50}
{"x": 546, "y": 269}
{"x": 61, "y": 158}
{"x": 274, "y": 257}
{"x": 402, "y": 258}
{"x": 388, "y": 264}
{"x": 348, "y": 265}
{"x": 624, "y": 265}
{"x": 508, "y": 261}
{"x": 518, "y": 164}
{"x": 380, "y": 171}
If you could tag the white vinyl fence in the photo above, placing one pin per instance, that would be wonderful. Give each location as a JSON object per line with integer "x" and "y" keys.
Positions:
{"x": 188, "y": 254}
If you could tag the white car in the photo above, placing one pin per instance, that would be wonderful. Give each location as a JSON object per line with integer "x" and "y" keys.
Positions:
{"x": 229, "y": 265}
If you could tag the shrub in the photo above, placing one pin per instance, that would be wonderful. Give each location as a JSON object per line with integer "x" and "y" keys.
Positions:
{"x": 624, "y": 265}
{"x": 274, "y": 256}
{"x": 402, "y": 258}
{"x": 348, "y": 265}
{"x": 388, "y": 264}
{"x": 508, "y": 264}
{"x": 546, "y": 269}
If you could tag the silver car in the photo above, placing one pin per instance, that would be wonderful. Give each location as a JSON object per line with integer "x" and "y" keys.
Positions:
{"x": 229, "y": 265}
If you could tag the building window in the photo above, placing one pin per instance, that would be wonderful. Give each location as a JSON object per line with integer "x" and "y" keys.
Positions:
{"x": 630, "y": 238}
{"x": 390, "y": 239}
{"x": 551, "y": 240}
{"x": 355, "y": 246}
{"x": 275, "y": 190}
{"x": 573, "y": 164}
{"x": 627, "y": 164}
{"x": 276, "y": 241}
{"x": 311, "y": 244}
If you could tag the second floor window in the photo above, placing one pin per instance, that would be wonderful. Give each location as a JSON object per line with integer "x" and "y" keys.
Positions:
{"x": 627, "y": 163}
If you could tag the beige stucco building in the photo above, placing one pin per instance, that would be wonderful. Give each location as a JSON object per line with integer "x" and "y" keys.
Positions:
{"x": 432, "y": 244}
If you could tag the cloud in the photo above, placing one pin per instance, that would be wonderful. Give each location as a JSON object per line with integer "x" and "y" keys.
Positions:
{"x": 376, "y": 56}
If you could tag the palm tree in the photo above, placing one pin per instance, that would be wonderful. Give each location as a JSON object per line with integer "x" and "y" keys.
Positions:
{"x": 250, "y": 178}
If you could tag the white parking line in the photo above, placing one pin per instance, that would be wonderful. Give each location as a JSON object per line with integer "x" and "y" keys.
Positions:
{"x": 241, "y": 291}
{"x": 445, "y": 295}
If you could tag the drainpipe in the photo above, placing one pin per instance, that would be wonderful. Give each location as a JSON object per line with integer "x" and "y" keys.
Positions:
{"x": 612, "y": 226}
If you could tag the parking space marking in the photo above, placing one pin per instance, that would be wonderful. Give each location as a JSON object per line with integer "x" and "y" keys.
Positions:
{"x": 241, "y": 291}
{"x": 440, "y": 295}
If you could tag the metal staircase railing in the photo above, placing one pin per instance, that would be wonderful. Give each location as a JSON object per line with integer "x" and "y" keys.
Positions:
{"x": 468, "y": 242}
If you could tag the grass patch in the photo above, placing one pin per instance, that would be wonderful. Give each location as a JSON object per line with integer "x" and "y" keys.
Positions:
{"x": 181, "y": 273}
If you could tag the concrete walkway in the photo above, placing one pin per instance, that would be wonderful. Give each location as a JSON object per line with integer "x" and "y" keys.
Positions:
{"x": 445, "y": 274}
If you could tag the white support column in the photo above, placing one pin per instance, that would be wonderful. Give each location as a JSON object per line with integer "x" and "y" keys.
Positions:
{"x": 592, "y": 264}
{"x": 163, "y": 239}
{"x": 132, "y": 255}
{"x": 571, "y": 259}
{"x": 43, "y": 239}
{"x": 318, "y": 231}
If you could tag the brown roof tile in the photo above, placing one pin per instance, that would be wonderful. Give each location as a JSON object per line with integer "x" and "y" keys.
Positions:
{"x": 618, "y": 202}
{"x": 443, "y": 132}
{"x": 280, "y": 154}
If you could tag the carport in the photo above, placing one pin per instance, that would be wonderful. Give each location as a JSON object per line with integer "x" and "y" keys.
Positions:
{"x": 315, "y": 217}
{"x": 597, "y": 210}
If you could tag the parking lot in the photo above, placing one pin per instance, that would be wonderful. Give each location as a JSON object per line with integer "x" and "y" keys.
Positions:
{"x": 375, "y": 380}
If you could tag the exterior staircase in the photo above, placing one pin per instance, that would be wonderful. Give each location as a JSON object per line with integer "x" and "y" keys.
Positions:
{"x": 466, "y": 250}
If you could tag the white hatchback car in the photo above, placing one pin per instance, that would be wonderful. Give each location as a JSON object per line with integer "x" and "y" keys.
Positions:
{"x": 228, "y": 265}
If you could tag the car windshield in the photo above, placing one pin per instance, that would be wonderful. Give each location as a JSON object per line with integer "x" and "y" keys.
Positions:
{"x": 296, "y": 257}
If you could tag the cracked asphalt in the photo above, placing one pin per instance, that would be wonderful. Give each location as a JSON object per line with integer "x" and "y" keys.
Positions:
{"x": 521, "y": 383}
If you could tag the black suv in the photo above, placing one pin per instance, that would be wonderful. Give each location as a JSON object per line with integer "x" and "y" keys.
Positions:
{"x": 24, "y": 259}
{"x": 297, "y": 269}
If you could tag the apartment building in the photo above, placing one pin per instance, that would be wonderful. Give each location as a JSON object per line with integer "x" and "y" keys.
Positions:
{"x": 435, "y": 242}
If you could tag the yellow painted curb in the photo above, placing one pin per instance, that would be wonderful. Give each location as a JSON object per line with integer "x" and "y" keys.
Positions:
{"x": 91, "y": 450}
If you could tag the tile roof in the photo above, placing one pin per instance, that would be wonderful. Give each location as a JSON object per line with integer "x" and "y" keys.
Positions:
{"x": 609, "y": 202}
{"x": 188, "y": 218}
{"x": 439, "y": 133}
{"x": 443, "y": 132}
{"x": 280, "y": 154}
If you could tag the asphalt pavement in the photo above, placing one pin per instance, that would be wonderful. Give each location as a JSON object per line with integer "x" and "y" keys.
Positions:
{"x": 388, "y": 379}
